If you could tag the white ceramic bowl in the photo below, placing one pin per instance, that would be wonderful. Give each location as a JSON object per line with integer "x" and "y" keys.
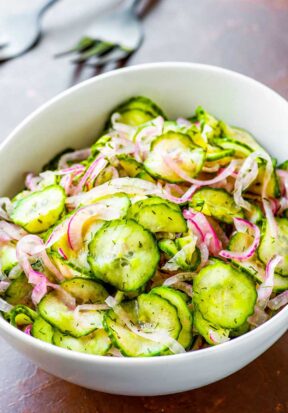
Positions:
{"x": 74, "y": 119}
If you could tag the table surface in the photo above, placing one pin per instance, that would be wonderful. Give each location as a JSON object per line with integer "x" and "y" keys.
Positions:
{"x": 249, "y": 36}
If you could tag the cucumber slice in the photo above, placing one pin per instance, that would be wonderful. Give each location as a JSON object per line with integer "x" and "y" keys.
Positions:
{"x": 181, "y": 149}
{"x": 273, "y": 189}
{"x": 21, "y": 315}
{"x": 241, "y": 150}
{"x": 253, "y": 266}
{"x": 283, "y": 166}
{"x": 224, "y": 295}
{"x": 42, "y": 330}
{"x": 8, "y": 257}
{"x": 269, "y": 245}
{"x": 217, "y": 203}
{"x": 40, "y": 210}
{"x": 255, "y": 215}
{"x": 206, "y": 328}
{"x": 215, "y": 154}
{"x": 158, "y": 215}
{"x": 19, "y": 291}
{"x": 97, "y": 342}
{"x": 144, "y": 175}
{"x": 244, "y": 137}
{"x": 120, "y": 253}
{"x": 237, "y": 332}
{"x": 152, "y": 314}
{"x": 168, "y": 246}
{"x": 55, "y": 312}
{"x": 184, "y": 314}
{"x": 135, "y": 117}
{"x": 140, "y": 103}
{"x": 130, "y": 165}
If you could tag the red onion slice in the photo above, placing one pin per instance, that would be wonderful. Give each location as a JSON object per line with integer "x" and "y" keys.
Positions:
{"x": 270, "y": 217}
{"x": 265, "y": 289}
{"x": 242, "y": 225}
{"x": 178, "y": 171}
{"x": 77, "y": 221}
{"x": 279, "y": 301}
{"x": 91, "y": 174}
{"x": 4, "y": 306}
{"x": 80, "y": 155}
{"x": 246, "y": 175}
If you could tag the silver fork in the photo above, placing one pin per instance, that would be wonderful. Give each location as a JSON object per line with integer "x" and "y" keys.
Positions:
{"x": 19, "y": 32}
{"x": 114, "y": 36}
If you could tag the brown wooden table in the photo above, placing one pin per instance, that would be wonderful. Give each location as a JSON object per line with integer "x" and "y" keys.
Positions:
{"x": 250, "y": 36}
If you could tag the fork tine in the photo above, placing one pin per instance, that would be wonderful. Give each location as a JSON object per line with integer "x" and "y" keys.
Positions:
{"x": 97, "y": 50}
{"x": 84, "y": 44}
{"x": 115, "y": 54}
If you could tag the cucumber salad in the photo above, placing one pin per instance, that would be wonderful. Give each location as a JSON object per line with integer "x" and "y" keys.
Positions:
{"x": 165, "y": 236}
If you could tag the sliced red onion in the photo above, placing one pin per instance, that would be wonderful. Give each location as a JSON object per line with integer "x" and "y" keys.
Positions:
{"x": 12, "y": 231}
{"x": 80, "y": 155}
{"x": 184, "y": 122}
{"x": 175, "y": 188}
{"x": 185, "y": 287}
{"x": 212, "y": 169}
{"x": 90, "y": 307}
{"x": 204, "y": 252}
{"x": 182, "y": 276}
{"x": 219, "y": 231}
{"x": 127, "y": 185}
{"x": 77, "y": 221}
{"x": 259, "y": 317}
{"x": 91, "y": 174}
{"x": 32, "y": 245}
{"x": 178, "y": 171}
{"x": 147, "y": 134}
{"x": 32, "y": 181}
{"x": 270, "y": 217}
{"x": 242, "y": 225}
{"x": 121, "y": 127}
{"x": 210, "y": 237}
{"x": 217, "y": 338}
{"x": 4, "y": 285}
{"x": 77, "y": 168}
{"x": 62, "y": 253}
{"x": 110, "y": 301}
{"x": 246, "y": 175}
{"x": 27, "y": 329}
{"x": 184, "y": 198}
{"x": 279, "y": 301}
{"x": 265, "y": 289}
{"x": 115, "y": 352}
{"x": 4, "y": 306}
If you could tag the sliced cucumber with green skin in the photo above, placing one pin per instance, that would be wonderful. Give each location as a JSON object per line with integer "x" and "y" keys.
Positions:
{"x": 79, "y": 259}
{"x": 241, "y": 150}
{"x": 21, "y": 315}
{"x": 242, "y": 136}
{"x": 254, "y": 215}
{"x": 130, "y": 165}
{"x": 214, "y": 153}
{"x": 119, "y": 254}
{"x": 224, "y": 295}
{"x": 40, "y": 210}
{"x": 176, "y": 298}
{"x": 217, "y": 203}
{"x": 253, "y": 266}
{"x": 21, "y": 195}
{"x": 19, "y": 291}
{"x": 8, "y": 257}
{"x": 55, "y": 312}
{"x": 135, "y": 117}
{"x": 273, "y": 189}
{"x": 237, "y": 332}
{"x": 144, "y": 175}
{"x": 207, "y": 329}
{"x": 150, "y": 314}
{"x": 283, "y": 166}
{"x": 168, "y": 246}
{"x": 97, "y": 343}
{"x": 158, "y": 215}
{"x": 180, "y": 149}
{"x": 142, "y": 103}
{"x": 271, "y": 245}
{"x": 42, "y": 330}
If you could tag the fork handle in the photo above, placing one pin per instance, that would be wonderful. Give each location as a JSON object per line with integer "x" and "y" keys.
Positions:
{"x": 46, "y": 5}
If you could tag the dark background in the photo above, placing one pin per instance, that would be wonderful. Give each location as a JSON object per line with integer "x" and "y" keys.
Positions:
{"x": 249, "y": 36}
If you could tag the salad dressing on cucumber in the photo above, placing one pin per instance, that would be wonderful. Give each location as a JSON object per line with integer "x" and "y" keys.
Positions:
{"x": 166, "y": 236}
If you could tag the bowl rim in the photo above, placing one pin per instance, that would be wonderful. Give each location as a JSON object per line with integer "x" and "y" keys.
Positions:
{"x": 90, "y": 358}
